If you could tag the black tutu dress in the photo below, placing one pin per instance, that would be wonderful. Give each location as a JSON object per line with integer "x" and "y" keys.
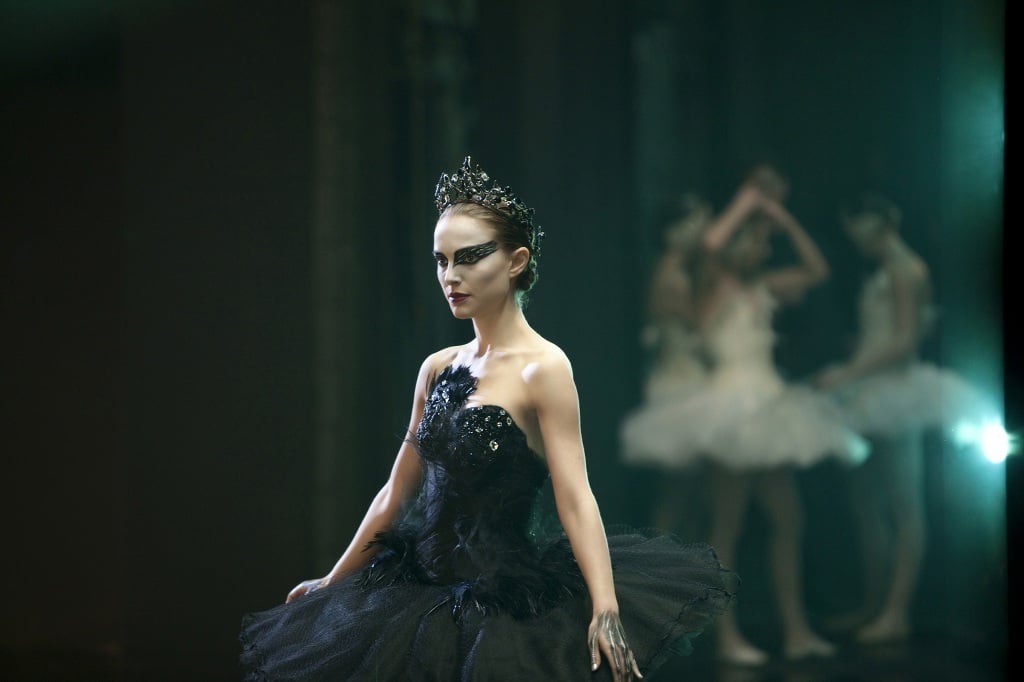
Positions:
{"x": 473, "y": 583}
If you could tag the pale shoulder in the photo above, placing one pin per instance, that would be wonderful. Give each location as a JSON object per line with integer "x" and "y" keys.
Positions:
{"x": 548, "y": 369}
{"x": 437, "y": 361}
{"x": 907, "y": 268}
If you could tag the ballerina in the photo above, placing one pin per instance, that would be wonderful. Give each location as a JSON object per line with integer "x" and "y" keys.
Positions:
{"x": 451, "y": 574}
{"x": 890, "y": 396}
{"x": 649, "y": 432}
{"x": 751, "y": 427}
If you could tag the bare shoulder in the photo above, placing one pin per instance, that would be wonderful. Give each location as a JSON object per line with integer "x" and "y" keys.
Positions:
{"x": 909, "y": 269}
{"x": 920, "y": 268}
{"x": 437, "y": 361}
{"x": 549, "y": 369}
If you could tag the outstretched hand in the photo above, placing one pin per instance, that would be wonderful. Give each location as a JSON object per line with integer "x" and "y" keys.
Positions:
{"x": 304, "y": 588}
{"x": 607, "y": 634}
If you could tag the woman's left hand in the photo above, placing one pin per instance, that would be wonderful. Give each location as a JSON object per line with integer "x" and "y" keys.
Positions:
{"x": 606, "y": 633}
{"x": 304, "y": 588}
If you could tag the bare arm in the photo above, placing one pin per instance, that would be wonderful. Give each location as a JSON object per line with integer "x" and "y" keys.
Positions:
{"x": 558, "y": 414}
{"x": 790, "y": 283}
{"x": 382, "y": 512}
{"x": 746, "y": 201}
{"x": 557, "y": 404}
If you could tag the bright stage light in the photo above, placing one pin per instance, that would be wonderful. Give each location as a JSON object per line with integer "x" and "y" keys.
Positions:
{"x": 990, "y": 437}
{"x": 996, "y": 443}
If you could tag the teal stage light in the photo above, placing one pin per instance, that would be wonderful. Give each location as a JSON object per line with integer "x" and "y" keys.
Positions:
{"x": 990, "y": 437}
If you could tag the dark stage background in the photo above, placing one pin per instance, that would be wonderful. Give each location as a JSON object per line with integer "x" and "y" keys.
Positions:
{"x": 215, "y": 227}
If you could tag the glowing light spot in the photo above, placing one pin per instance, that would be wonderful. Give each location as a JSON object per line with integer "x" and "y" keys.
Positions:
{"x": 991, "y": 438}
{"x": 996, "y": 443}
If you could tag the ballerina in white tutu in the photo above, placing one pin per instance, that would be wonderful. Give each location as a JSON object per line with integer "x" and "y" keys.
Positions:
{"x": 889, "y": 395}
{"x": 751, "y": 426}
{"x": 649, "y": 433}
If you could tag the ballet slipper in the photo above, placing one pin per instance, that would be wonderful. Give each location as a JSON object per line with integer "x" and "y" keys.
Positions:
{"x": 809, "y": 647}
{"x": 884, "y": 630}
{"x": 742, "y": 655}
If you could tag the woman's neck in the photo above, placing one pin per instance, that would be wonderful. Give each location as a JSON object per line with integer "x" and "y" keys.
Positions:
{"x": 892, "y": 249}
{"x": 503, "y": 329}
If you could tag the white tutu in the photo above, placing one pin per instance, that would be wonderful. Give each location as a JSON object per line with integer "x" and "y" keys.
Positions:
{"x": 742, "y": 416}
{"x": 653, "y": 433}
{"x": 918, "y": 397}
{"x": 746, "y": 419}
{"x": 912, "y": 397}
{"x": 648, "y": 434}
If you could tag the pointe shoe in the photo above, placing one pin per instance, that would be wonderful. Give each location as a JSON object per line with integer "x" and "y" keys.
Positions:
{"x": 743, "y": 655}
{"x": 884, "y": 630}
{"x": 810, "y": 648}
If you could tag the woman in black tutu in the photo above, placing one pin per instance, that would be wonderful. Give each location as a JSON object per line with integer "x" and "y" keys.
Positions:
{"x": 457, "y": 572}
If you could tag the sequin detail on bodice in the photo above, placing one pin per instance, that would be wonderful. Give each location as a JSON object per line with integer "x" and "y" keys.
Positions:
{"x": 479, "y": 474}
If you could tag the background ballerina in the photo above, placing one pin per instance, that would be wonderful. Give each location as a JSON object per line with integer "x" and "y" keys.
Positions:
{"x": 751, "y": 427}
{"x": 891, "y": 396}
{"x": 649, "y": 434}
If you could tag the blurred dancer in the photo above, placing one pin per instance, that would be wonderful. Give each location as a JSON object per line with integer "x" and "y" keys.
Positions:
{"x": 752, "y": 427}
{"x": 890, "y": 396}
{"x": 649, "y": 434}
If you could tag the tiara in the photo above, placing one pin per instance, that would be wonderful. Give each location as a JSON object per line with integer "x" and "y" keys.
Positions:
{"x": 470, "y": 184}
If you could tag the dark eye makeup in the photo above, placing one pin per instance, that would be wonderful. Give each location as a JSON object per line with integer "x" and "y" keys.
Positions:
{"x": 470, "y": 254}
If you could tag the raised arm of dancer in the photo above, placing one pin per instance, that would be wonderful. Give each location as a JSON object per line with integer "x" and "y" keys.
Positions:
{"x": 553, "y": 392}
{"x": 790, "y": 283}
{"x": 746, "y": 200}
{"x": 402, "y": 483}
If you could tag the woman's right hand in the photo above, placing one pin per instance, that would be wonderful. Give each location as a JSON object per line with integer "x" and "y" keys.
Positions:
{"x": 304, "y": 588}
{"x": 606, "y": 636}
{"x": 750, "y": 195}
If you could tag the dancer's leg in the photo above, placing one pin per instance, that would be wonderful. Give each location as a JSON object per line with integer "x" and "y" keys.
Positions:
{"x": 729, "y": 495}
{"x": 905, "y": 486}
{"x": 869, "y": 504}
{"x": 778, "y": 493}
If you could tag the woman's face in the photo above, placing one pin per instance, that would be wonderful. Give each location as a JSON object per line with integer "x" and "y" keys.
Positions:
{"x": 750, "y": 249}
{"x": 867, "y": 231}
{"x": 771, "y": 183}
{"x": 475, "y": 273}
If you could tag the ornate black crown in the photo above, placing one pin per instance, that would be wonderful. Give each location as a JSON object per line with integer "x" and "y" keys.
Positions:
{"x": 470, "y": 184}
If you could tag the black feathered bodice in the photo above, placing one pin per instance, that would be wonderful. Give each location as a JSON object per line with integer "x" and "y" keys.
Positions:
{"x": 476, "y": 523}
{"x": 479, "y": 474}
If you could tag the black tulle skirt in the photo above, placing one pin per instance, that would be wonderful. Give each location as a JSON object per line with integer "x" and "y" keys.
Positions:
{"x": 668, "y": 593}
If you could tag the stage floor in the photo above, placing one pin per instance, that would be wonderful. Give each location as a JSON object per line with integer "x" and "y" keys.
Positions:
{"x": 922, "y": 659}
